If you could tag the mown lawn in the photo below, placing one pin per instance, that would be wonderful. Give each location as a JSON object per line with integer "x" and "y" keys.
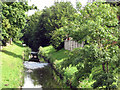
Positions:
{"x": 11, "y": 65}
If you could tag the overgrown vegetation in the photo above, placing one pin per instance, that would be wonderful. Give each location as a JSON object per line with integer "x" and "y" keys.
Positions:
{"x": 96, "y": 65}
{"x": 12, "y": 65}
{"x": 98, "y": 25}
{"x": 81, "y": 68}
{"x": 97, "y": 62}
{"x": 57, "y": 58}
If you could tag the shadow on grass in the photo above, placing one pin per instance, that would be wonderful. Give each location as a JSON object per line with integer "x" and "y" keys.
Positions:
{"x": 18, "y": 44}
{"x": 12, "y": 54}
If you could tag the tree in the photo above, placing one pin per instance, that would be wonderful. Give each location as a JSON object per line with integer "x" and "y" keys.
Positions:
{"x": 29, "y": 31}
{"x": 58, "y": 38}
{"x": 13, "y": 19}
{"x": 62, "y": 13}
{"x": 50, "y": 20}
{"x": 97, "y": 24}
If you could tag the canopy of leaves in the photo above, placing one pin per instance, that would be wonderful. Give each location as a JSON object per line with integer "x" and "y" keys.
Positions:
{"x": 50, "y": 20}
{"x": 57, "y": 39}
{"x": 13, "y": 19}
{"x": 30, "y": 30}
{"x": 97, "y": 24}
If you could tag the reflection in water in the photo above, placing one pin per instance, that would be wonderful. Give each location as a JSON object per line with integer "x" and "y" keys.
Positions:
{"x": 29, "y": 83}
{"x": 38, "y": 75}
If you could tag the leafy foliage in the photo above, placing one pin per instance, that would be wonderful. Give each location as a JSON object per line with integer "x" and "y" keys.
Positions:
{"x": 90, "y": 57}
{"x": 57, "y": 39}
{"x": 30, "y": 30}
{"x": 27, "y": 52}
{"x": 47, "y": 23}
{"x": 13, "y": 19}
{"x": 97, "y": 24}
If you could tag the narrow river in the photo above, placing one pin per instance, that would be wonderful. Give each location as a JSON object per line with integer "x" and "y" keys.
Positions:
{"x": 38, "y": 75}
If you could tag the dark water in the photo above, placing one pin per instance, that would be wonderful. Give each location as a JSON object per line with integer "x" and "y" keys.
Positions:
{"x": 39, "y": 75}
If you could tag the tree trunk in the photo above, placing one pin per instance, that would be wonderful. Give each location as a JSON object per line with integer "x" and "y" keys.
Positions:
{"x": 103, "y": 66}
{"x": 107, "y": 67}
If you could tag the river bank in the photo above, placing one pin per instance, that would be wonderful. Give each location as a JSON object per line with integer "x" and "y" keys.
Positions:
{"x": 56, "y": 58}
{"x": 69, "y": 73}
{"x": 12, "y": 65}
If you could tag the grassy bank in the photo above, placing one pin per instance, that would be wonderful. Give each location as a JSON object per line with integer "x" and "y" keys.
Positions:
{"x": 69, "y": 72}
{"x": 57, "y": 58}
{"x": 12, "y": 65}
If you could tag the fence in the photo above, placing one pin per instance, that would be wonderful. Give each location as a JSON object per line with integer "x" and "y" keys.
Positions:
{"x": 70, "y": 45}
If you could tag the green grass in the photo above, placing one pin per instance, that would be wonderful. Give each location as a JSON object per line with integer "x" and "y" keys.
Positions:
{"x": 57, "y": 58}
{"x": 49, "y": 49}
{"x": 12, "y": 65}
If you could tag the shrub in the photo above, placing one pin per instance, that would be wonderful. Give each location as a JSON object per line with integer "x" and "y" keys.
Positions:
{"x": 27, "y": 53}
{"x": 57, "y": 39}
{"x": 41, "y": 51}
{"x": 90, "y": 57}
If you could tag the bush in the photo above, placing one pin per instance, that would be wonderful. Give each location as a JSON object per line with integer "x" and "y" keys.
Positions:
{"x": 57, "y": 39}
{"x": 27, "y": 53}
{"x": 90, "y": 57}
{"x": 41, "y": 51}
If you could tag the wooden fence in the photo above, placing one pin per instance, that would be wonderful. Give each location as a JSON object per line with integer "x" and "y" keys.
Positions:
{"x": 70, "y": 45}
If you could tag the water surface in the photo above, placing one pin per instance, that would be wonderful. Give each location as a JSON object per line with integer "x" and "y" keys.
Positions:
{"x": 38, "y": 75}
